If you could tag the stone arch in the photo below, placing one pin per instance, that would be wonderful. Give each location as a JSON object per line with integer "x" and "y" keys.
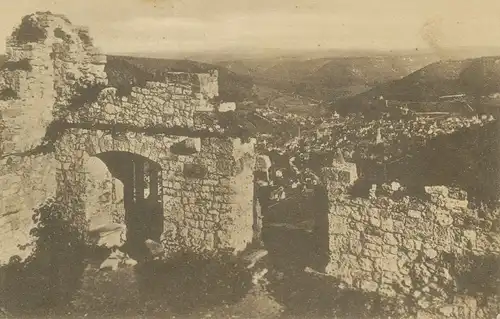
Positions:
{"x": 201, "y": 191}
{"x": 139, "y": 206}
{"x": 86, "y": 180}
{"x": 150, "y": 147}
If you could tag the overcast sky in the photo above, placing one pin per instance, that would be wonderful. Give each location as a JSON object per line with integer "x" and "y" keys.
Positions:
{"x": 201, "y": 25}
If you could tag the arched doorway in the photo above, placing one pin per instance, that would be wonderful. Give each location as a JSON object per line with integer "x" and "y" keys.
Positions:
{"x": 142, "y": 197}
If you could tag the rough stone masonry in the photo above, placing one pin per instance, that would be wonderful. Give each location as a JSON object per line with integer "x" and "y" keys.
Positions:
{"x": 60, "y": 121}
{"x": 411, "y": 249}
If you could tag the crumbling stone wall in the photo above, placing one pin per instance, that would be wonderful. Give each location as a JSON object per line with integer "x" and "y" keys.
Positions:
{"x": 405, "y": 247}
{"x": 45, "y": 57}
{"x": 48, "y": 59}
{"x": 55, "y": 75}
{"x": 169, "y": 103}
{"x": 211, "y": 210}
{"x": 25, "y": 183}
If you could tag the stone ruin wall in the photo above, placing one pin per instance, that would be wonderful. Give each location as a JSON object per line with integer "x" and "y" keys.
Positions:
{"x": 173, "y": 102}
{"x": 385, "y": 246}
{"x": 29, "y": 73}
{"x": 25, "y": 183}
{"x": 205, "y": 212}
{"x": 43, "y": 73}
{"x": 49, "y": 136}
{"x": 401, "y": 247}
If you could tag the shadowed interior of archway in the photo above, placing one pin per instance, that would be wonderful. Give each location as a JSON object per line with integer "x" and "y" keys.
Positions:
{"x": 143, "y": 199}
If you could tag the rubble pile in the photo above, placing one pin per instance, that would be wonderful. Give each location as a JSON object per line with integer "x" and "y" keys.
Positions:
{"x": 111, "y": 237}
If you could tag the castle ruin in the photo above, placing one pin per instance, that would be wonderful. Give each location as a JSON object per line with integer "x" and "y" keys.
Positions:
{"x": 160, "y": 156}
{"x": 154, "y": 156}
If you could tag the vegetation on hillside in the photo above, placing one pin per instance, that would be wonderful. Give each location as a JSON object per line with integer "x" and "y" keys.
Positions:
{"x": 328, "y": 78}
{"x": 474, "y": 77}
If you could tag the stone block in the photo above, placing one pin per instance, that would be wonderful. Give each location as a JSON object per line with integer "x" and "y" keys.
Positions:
{"x": 443, "y": 218}
{"x": 471, "y": 237}
{"x": 390, "y": 239}
{"x": 227, "y": 106}
{"x": 446, "y": 311}
{"x": 204, "y": 106}
{"x": 208, "y": 82}
{"x": 387, "y": 290}
{"x": 369, "y": 286}
{"x": 437, "y": 190}
{"x": 451, "y": 203}
{"x": 337, "y": 225}
{"x": 188, "y": 146}
{"x": 108, "y": 235}
{"x": 387, "y": 224}
{"x": 366, "y": 264}
{"x": 456, "y": 193}
{"x": 414, "y": 214}
{"x": 209, "y": 240}
{"x": 375, "y": 221}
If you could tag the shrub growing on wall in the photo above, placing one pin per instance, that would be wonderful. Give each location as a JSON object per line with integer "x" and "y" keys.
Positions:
{"x": 8, "y": 94}
{"x": 30, "y": 31}
{"x": 52, "y": 273}
{"x": 477, "y": 275}
{"x": 85, "y": 93}
{"x": 84, "y": 36}
{"x": 23, "y": 64}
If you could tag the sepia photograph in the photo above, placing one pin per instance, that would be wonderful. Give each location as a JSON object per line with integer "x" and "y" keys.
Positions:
{"x": 250, "y": 159}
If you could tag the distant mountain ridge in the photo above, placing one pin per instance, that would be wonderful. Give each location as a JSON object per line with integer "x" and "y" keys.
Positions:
{"x": 328, "y": 78}
{"x": 218, "y": 55}
{"x": 475, "y": 77}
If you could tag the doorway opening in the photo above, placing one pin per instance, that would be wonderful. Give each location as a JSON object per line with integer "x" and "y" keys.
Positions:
{"x": 143, "y": 198}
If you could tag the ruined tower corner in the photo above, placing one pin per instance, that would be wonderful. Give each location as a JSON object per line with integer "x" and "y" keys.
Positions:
{"x": 209, "y": 84}
{"x": 47, "y": 61}
{"x": 339, "y": 177}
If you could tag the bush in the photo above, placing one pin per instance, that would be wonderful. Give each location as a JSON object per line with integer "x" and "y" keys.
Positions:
{"x": 51, "y": 274}
{"x": 8, "y": 94}
{"x": 84, "y": 36}
{"x": 30, "y": 31}
{"x": 86, "y": 93}
{"x": 189, "y": 280}
{"x": 23, "y": 64}
{"x": 477, "y": 275}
